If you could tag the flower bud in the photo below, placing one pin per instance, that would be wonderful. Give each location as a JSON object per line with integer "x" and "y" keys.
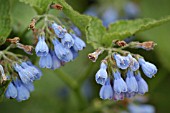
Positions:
{"x": 94, "y": 56}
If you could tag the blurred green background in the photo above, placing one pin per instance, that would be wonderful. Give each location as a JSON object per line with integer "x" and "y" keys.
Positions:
{"x": 52, "y": 94}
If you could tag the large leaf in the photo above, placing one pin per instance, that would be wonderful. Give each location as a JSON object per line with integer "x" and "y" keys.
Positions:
{"x": 39, "y": 5}
{"x": 134, "y": 26}
{"x": 5, "y": 27}
{"x": 81, "y": 21}
{"x": 95, "y": 32}
{"x": 21, "y": 20}
{"x": 125, "y": 28}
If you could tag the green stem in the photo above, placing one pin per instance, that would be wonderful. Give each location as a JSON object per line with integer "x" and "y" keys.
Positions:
{"x": 9, "y": 47}
{"x": 82, "y": 78}
{"x": 119, "y": 50}
{"x": 80, "y": 99}
{"x": 67, "y": 79}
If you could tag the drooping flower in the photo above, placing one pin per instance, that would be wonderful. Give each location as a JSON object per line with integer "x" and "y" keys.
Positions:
{"x": 29, "y": 86}
{"x": 56, "y": 63}
{"x": 34, "y": 71}
{"x": 131, "y": 82}
{"x": 59, "y": 31}
{"x": 24, "y": 74}
{"x": 122, "y": 61}
{"x": 142, "y": 85}
{"x": 67, "y": 41}
{"x": 148, "y": 68}
{"x": 75, "y": 53}
{"x": 11, "y": 91}
{"x": 76, "y": 30}
{"x": 119, "y": 84}
{"x": 79, "y": 44}
{"x": 46, "y": 61}
{"x": 37, "y": 77}
{"x": 106, "y": 91}
{"x": 41, "y": 48}
{"x": 61, "y": 52}
{"x": 134, "y": 65}
{"x": 101, "y": 75}
{"x": 22, "y": 92}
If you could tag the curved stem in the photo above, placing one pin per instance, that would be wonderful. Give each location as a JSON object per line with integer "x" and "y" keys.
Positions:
{"x": 80, "y": 99}
{"x": 67, "y": 79}
{"x": 82, "y": 78}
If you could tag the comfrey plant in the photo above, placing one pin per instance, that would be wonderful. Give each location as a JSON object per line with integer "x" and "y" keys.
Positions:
{"x": 17, "y": 71}
{"x": 119, "y": 72}
{"x": 56, "y": 43}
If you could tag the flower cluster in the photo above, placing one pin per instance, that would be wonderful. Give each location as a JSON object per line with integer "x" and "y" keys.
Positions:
{"x": 57, "y": 45}
{"x": 21, "y": 86}
{"x": 65, "y": 48}
{"x": 17, "y": 72}
{"x": 117, "y": 85}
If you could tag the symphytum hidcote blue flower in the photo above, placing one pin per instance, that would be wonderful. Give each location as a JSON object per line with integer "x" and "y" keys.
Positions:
{"x": 101, "y": 75}
{"x": 41, "y": 48}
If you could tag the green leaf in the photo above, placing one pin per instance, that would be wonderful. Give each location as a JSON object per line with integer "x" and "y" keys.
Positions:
{"x": 39, "y": 5}
{"x": 5, "y": 27}
{"x": 81, "y": 21}
{"x": 125, "y": 28}
{"x": 95, "y": 32}
{"x": 21, "y": 18}
{"x": 135, "y": 26}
